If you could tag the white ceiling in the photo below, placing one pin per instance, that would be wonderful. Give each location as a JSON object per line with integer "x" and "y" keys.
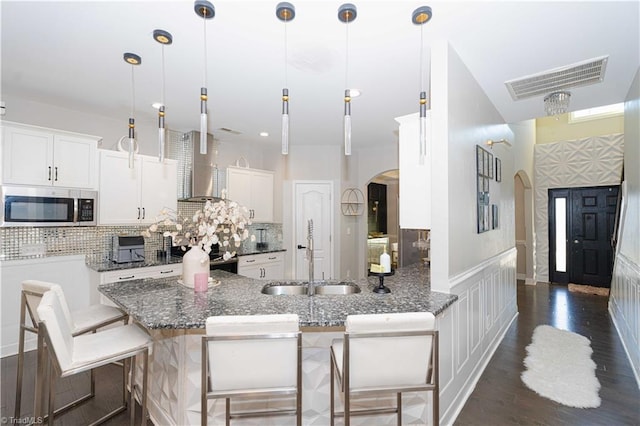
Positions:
{"x": 70, "y": 54}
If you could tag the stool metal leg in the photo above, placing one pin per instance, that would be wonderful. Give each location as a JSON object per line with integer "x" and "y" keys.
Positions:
{"x": 399, "y": 404}
{"x": 23, "y": 305}
{"x": 145, "y": 380}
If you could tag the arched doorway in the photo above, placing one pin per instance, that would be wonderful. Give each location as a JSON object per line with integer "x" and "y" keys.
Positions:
{"x": 523, "y": 197}
{"x": 382, "y": 216}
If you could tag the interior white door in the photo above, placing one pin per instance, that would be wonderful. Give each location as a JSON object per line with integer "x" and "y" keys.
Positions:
{"x": 312, "y": 201}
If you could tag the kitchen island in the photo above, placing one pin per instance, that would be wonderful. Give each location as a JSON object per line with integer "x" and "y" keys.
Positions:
{"x": 175, "y": 316}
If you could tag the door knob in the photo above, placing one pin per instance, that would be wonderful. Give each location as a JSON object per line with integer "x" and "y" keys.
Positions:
{"x": 301, "y": 246}
{"x": 576, "y": 241}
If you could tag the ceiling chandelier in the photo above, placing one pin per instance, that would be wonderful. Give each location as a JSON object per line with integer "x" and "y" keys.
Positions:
{"x": 556, "y": 103}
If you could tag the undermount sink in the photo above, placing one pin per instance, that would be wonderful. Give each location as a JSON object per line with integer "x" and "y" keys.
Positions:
{"x": 302, "y": 288}
{"x": 285, "y": 289}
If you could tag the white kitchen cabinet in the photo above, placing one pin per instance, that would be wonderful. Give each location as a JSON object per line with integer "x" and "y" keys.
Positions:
{"x": 415, "y": 178}
{"x": 135, "y": 195}
{"x": 39, "y": 156}
{"x": 265, "y": 266}
{"x": 98, "y": 278}
{"x": 253, "y": 189}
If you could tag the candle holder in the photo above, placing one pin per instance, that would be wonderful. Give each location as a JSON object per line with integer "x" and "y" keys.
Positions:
{"x": 381, "y": 287}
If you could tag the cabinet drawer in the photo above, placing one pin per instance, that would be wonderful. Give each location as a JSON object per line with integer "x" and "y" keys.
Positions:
{"x": 262, "y": 258}
{"x": 140, "y": 273}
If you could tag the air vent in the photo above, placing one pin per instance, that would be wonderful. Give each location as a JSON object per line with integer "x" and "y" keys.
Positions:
{"x": 579, "y": 74}
{"x": 228, "y": 130}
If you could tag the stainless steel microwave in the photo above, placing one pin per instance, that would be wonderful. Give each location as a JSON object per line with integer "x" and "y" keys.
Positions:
{"x": 47, "y": 206}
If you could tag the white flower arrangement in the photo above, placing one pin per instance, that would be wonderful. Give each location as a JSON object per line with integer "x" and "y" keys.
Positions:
{"x": 221, "y": 222}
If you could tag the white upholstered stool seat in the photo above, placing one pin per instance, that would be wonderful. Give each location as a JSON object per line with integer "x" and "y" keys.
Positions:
{"x": 385, "y": 353}
{"x": 252, "y": 356}
{"x": 84, "y": 320}
{"x": 68, "y": 354}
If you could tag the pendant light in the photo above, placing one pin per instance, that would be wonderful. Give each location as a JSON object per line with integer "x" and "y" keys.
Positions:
{"x": 205, "y": 10}
{"x": 285, "y": 12}
{"x": 421, "y": 16}
{"x": 164, "y": 38}
{"x": 133, "y": 60}
{"x": 347, "y": 13}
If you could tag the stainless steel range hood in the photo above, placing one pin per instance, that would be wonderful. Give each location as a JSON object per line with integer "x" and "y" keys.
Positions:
{"x": 198, "y": 174}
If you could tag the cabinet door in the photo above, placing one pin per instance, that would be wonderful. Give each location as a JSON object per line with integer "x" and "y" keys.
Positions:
{"x": 159, "y": 187}
{"x": 274, "y": 270}
{"x": 27, "y": 156}
{"x": 262, "y": 196}
{"x": 239, "y": 186}
{"x": 74, "y": 161}
{"x": 255, "y": 271}
{"x": 119, "y": 193}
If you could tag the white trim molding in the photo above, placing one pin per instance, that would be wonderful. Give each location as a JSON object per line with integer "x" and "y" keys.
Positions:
{"x": 624, "y": 307}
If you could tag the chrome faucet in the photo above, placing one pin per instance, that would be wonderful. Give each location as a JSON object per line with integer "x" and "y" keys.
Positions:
{"x": 310, "y": 256}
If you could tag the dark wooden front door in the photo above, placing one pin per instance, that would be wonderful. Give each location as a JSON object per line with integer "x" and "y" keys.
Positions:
{"x": 590, "y": 225}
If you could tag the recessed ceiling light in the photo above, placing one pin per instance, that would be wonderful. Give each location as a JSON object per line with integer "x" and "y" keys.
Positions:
{"x": 355, "y": 93}
{"x": 264, "y": 134}
{"x": 156, "y": 105}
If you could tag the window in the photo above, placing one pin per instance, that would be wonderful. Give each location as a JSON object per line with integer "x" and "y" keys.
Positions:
{"x": 596, "y": 113}
{"x": 561, "y": 234}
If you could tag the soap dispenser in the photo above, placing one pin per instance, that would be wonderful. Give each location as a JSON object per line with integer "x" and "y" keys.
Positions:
{"x": 385, "y": 260}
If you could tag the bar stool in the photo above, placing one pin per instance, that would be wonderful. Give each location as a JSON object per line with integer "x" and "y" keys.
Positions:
{"x": 385, "y": 353}
{"x": 69, "y": 355}
{"x": 82, "y": 321}
{"x": 252, "y": 356}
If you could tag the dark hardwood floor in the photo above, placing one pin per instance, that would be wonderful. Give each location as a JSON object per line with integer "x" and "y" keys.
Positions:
{"x": 500, "y": 397}
{"x": 108, "y": 395}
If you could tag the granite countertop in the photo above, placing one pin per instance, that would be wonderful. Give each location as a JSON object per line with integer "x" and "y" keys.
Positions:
{"x": 165, "y": 304}
{"x": 153, "y": 260}
{"x": 256, "y": 251}
{"x": 108, "y": 265}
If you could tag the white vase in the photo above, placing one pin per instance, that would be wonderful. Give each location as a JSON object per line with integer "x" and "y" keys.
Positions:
{"x": 194, "y": 261}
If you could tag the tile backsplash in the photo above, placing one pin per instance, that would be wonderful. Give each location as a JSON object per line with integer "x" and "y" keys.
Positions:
{"x": 95, "y": 241}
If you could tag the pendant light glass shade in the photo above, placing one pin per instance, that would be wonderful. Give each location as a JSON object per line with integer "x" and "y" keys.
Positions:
{"x": 347, "y": 13}
{"x": 421, "y": 16}
{"x": 285, "y": 121}
{"x": 164, "y": 38}
{"x": 347, "y": 122}
{"x": 423, "y": 126}
{"x": 133, "y": 60}
{"x": 285, "y": 12}
{"x": 205, "y": 10}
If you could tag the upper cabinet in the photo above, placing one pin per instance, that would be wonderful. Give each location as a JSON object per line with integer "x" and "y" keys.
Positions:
{"x": 39, "y": 156}
{"x": 415, "y": 178}
{"x": 253, "y": 189}
{"x": 135, "y": 195}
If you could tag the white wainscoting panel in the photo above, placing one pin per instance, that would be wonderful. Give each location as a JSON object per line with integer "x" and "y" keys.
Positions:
{"x": 624, "y": 307}
{"x": 472, "y": 328}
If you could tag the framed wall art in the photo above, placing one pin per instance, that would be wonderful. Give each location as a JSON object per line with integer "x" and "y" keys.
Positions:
{"x": 484, "y": 174}
{"x": 498, "y": 170}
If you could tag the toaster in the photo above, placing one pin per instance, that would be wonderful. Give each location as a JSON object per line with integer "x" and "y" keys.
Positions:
{"x": 127, "y": 249}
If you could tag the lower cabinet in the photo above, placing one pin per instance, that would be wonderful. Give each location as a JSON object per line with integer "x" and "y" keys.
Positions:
{"x": 98, "y": 278}
{"x": 265, "y": 266}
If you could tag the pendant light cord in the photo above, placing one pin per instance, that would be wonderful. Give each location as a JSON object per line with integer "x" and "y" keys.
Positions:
{"x": 346, "y": 67}
{"x": 421, "y": 58}
{"x": 133, "y": 92}
{"x": 163, "y": 79}
{"x": 204, "y": 77}
{"x": 286, "y": 55}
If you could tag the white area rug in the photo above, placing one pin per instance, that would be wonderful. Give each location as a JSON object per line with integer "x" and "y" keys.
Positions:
{"x": 559, "y": 367}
